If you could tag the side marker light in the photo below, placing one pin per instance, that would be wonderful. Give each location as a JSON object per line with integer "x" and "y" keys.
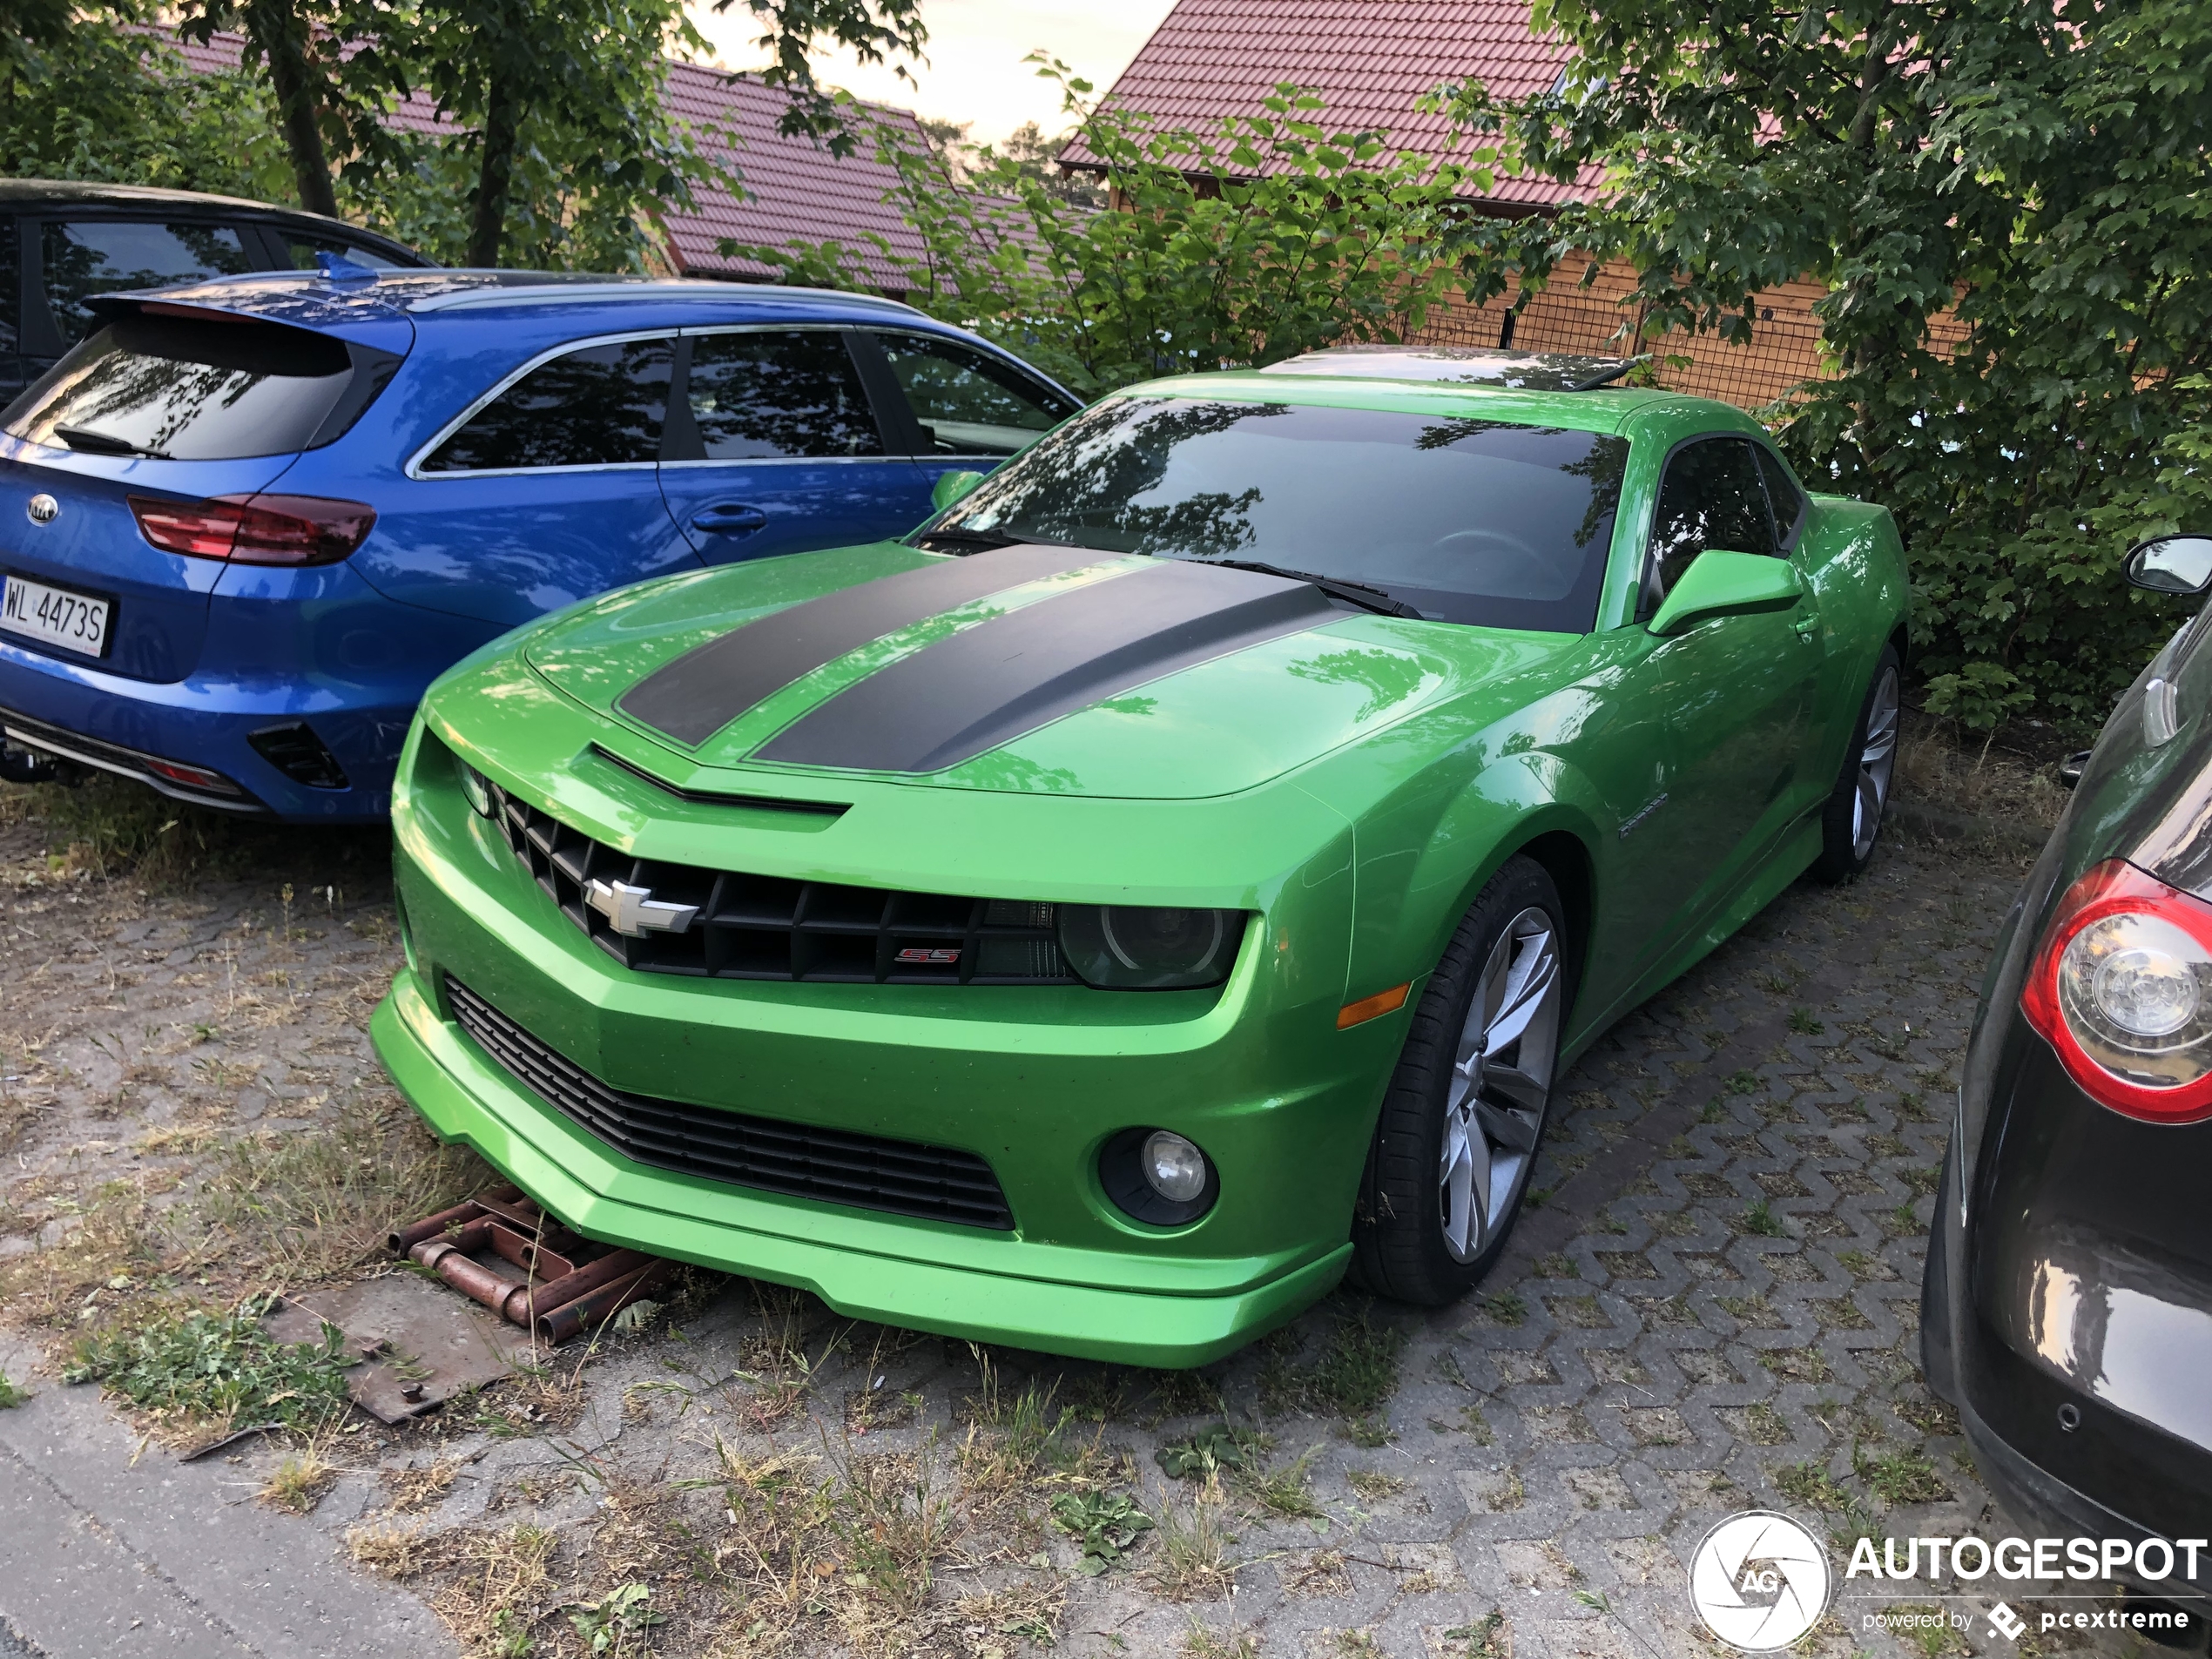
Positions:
{"x": 1373, "y": 1007}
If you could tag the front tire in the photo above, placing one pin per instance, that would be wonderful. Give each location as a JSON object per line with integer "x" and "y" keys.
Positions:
{"x": 1457, "y": 1137}
{"x": 1850, "y": 825}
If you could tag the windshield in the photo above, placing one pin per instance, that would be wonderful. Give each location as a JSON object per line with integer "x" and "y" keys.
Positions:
{"x": 1464, "y": 520}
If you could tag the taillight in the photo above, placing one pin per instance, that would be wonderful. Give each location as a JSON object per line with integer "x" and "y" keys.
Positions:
{"x": 256, "y": 529}
{"x": 2122, "y": 988}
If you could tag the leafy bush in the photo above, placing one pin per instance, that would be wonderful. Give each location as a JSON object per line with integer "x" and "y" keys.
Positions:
{"x": 220, "y": 1366}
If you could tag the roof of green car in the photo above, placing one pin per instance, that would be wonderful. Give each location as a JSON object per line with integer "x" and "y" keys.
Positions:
{"x": 1601, "y": 410}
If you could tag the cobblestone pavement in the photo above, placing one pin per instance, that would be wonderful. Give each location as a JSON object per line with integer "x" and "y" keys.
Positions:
{"x": 1713, "y": 1308}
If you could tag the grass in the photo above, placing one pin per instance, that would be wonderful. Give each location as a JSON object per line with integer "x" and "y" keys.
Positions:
{"x": 199, "y": 1370}
{"x": 1485, "y": 1638}
{"x": 1204, "y": 1641}
{"x": 301, "y": 1482}
{"x": 1353, "y": 1377}
{"x": 10, "y": 1395}
{"x": 1192, "y": 1563}
{"x": 1374, "y": 1485}
{"x": 1284, "y": 1493}
{"x": 310, "y": 1207}
{"x": 1802, "y": 1021}
{"x": 1812, "y": 1485}
{"x": 1899, "y": 1477}
{"x": 1761, "y": 1219}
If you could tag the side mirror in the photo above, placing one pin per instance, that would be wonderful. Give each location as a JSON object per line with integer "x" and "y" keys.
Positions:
{"x": 2172, "y": 564}
{"x": 1727, "y": 584}
{"x": 950, "y": 487}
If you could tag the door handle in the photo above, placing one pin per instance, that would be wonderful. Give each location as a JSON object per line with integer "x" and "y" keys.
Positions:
{"x": 1808, "y": 628}
{"x": 729, "y": 518}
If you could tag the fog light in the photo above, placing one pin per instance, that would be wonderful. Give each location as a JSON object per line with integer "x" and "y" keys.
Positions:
{"x": 1158, "y": 1176}
{"x": 1173, "y": 1166}
{"x": 474, "y": 786}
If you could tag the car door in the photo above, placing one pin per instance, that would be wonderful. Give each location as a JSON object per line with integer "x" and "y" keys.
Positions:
{"x": 541, "y": 494}
{"x": 774, "y": 446}
{"x": 1736, "y": 693}
{"x": 966, "y": 409}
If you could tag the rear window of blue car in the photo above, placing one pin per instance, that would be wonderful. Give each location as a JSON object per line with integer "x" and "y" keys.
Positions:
{"x": 193, "y": 389}
{"x": 1466, "y": 519}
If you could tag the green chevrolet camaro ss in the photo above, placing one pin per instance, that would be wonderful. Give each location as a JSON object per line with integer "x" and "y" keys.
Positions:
{"x": 1172, "y": 878}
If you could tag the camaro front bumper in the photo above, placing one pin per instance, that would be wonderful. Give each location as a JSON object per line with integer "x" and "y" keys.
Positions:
{"x": 877, "y": 1275}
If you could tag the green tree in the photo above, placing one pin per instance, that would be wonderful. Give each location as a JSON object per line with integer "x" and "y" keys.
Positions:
{"x": 2009, "y": 201}
{"x": 1262, "y": 238}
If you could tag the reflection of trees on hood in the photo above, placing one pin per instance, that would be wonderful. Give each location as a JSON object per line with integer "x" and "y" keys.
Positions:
{"x": 1388, "y": 677}
{"x": 1081, "y": 484}
{"x": 1602, "y": 463}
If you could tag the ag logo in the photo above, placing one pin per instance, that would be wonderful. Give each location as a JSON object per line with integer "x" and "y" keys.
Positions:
{"x": 1759, "y": 1580}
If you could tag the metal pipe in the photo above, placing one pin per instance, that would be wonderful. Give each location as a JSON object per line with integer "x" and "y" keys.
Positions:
{"x": 406, "y": 1239}
{"x": 599, "y": 1306}
{"x": 552, "y": 1294}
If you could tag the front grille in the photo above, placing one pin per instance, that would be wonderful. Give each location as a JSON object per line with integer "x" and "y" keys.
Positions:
{"x": 766, "y": 927}
{"x": 797, "y": 1160}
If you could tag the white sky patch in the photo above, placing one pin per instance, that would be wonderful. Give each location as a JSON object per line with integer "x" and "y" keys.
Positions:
{"x": 974, "y": 71}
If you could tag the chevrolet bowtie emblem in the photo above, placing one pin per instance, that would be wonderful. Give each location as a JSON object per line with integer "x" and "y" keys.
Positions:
{"x": 633, "y": 911}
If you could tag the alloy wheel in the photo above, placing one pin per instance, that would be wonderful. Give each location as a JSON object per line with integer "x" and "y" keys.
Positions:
{"x": 1493, "y": 1110}
{"x": 1877, "y": 761}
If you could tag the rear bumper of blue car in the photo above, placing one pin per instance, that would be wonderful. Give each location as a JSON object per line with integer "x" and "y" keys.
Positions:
{"x": 160, "y": 733}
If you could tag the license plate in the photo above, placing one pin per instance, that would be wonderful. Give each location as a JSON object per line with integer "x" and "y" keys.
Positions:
{"x": 73, "y": 621}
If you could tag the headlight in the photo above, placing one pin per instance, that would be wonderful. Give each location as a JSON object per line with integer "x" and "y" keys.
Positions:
{"x": 474, "y": 786}
{"x": 1147, "y": 947}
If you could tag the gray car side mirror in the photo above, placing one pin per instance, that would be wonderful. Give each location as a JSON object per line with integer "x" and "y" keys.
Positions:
{"x": 2172, "y": 564}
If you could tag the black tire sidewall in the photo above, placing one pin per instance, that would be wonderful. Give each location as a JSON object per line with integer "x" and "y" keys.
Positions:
{"x": 1397, "y": 1232}
{"x": 1837, "y": 862}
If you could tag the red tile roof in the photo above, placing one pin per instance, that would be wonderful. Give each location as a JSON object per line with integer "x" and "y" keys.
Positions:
{"x": 794, "y": 190}
{"x": 1372, "y": 60}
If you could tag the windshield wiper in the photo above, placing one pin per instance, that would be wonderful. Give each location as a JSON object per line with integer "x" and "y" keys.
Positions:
{"x": 975, "y": 540}
{"x": 1356, "y": 593}
{"x": 83, "y": 438}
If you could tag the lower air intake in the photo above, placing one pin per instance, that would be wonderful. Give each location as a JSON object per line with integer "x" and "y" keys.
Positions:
{"x": 797, "y": 1160}
{"x": 295, "y": 751}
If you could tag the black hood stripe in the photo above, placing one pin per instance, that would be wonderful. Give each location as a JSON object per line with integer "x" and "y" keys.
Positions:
{"x": 992, "y": 682}
{"x": 710, "y": 685}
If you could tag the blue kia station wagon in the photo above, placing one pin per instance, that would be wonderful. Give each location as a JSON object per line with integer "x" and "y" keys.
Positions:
{"x": 244, "y": 523}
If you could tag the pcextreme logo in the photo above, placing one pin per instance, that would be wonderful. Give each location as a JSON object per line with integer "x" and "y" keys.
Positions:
{"x": 1759, "y": 1580}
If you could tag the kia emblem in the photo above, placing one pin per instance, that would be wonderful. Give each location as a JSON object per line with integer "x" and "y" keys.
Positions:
{"x": 43, "y": 509}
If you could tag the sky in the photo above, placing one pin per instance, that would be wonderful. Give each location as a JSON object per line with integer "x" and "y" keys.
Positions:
{"x": 974, "y": 71}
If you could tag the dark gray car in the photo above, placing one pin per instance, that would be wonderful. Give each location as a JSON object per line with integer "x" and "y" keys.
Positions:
{"x": 61, "y": 243}
{"x": 2068, "y": 1305}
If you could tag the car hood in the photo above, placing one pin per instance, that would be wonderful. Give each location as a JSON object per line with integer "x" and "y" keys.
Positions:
{"x": 1033, "y": 669}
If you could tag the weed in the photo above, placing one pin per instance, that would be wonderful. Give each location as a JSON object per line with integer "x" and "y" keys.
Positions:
{"x": 1204, "y": 1641}
{"x": 1014, "y": 1441}
{"x": 1743, "y": 1082}
{"x": 609, "y": 1623}
{"x": 299, "y": 1482}
{"x": 1507, "y": 1307}
{"x": 1812, "y": 1485}
{"x": 11, "y": 1396}
{"x": 1203, "y": 1456}
{"x": 892, "y": 1525}
{"x": 1374, "y": 1485}
{"x": 510, "y": 1637}
{"x": 1485, "y": 1637}
{"x": 423, "y": 1488}
{"x": 220, "y": 1369}
{"x": 1857, "y": 1263}
{"x": 1804, "y": 1024}
{"x": 386, "y": 1550}
{"x": 1107, "y": 1523}
{"x": 1761, "y": 1219}
{"x": 1714, "y": 1113}
{"x": 1476, "y": 1425}
{"x": 1900, "y": 1478}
